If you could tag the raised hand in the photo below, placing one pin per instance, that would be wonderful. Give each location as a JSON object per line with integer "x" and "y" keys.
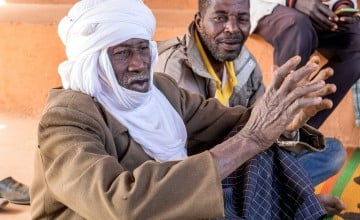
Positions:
{"x": 289, "y": 94}
{"x": 306, "y": 113}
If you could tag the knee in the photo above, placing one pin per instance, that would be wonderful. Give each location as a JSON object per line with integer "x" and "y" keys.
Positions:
{"x": 300, "y": 28}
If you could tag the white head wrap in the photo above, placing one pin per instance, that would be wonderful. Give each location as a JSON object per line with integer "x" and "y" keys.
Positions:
{"x": 89, "y": 29}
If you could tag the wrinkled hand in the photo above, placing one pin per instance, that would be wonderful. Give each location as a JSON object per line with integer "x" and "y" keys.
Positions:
{"x": 306, "y": 113}
{"x": 323, "y": 18}
{"x": 288, "y": 94}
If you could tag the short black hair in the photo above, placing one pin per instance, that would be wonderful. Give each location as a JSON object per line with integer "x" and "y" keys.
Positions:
{"x": 203, "y": 5}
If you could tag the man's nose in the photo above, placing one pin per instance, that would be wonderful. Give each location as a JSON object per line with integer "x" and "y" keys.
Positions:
{"x": 232, "y": 25}
{"x": 137, "y": 63}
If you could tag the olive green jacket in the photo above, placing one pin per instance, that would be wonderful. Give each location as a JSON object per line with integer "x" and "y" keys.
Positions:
{"x": 181, "y": 59}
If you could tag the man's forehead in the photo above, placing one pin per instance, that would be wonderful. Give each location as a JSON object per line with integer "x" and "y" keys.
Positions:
{"x": 132, "y": 42}
{"x": 221, "y": 6}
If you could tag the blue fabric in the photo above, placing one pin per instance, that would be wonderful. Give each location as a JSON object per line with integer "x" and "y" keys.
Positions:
{"x": 322, "y": 165}
{"x": 272, "y": 185}
{"x": 356, "y": 98}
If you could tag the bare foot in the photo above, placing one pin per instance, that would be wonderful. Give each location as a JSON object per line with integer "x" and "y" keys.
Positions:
{"x": 332, "y": 204}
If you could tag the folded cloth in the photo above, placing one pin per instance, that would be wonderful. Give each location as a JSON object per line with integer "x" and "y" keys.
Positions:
{"x": 14, "y": 191}
{"x": 356, "y": 98}
{"x": 272, "y": 185}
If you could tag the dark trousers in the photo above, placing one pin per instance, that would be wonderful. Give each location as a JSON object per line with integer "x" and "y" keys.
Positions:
{"x": 292, "y": 33}
{"x": 271, "y": 185}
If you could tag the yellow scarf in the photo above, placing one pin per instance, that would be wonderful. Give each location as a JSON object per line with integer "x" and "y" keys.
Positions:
{"x": 222, "y": 94}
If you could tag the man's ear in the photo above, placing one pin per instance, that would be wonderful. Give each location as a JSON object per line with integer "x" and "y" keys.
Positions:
{"x": 197, "y": 20}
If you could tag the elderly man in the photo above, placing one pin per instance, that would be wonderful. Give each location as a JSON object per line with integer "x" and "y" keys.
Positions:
{"x": 211, "y": 59}
{"x": 118, "y": 142}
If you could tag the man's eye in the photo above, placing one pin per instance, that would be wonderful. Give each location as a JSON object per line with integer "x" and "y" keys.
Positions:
{"x": 145, "y": 48}
{"x": 123, "y": 54}
{"x": 220, "y": 19}
{"x": 243, "y": 19}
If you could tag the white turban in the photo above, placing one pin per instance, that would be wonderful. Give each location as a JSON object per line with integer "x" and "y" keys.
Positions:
{"x": 89, "y": 29}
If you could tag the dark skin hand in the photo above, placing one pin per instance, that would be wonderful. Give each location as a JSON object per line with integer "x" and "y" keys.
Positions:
{"x": 347, "y": 19}
{"x": 306, "y": 113}
{"x": 323, "y": 18}
{"x": 288, "y": 94}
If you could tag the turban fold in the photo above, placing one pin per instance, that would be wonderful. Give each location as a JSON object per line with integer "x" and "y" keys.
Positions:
{"x": 92, "y": 25}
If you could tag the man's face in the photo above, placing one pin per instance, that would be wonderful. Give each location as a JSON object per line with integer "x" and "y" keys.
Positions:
{"x": 131, "y": 61}
{"x": 224, "y": 26}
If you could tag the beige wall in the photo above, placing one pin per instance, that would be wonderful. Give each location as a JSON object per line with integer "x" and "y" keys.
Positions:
{"x": 30, "y": 52}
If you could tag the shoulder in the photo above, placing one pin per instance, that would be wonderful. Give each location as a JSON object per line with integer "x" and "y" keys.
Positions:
{"x": 246, "y": 65}
{"x": 165, "y": 83}
{"x": 68, "y": 98}
{"x": 63, "y": 103}
{"x": 171, "y": 56}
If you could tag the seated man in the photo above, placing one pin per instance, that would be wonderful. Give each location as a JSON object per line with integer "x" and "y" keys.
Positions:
{"x": 211, "y": 60}
{"x": 301, "y": 27}
{"x": 119, "y": 142}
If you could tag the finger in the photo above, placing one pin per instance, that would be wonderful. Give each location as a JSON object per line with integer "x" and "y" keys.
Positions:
{"x": 303, "y": 91}
{"x": 322, "y": 23}
{"x": 318, "y": 27}
{"x": 323, "y": 74}
{"x": 321, "y": 19}
{"x": 294, "y": 79}
{"x": 311, "y": 111}
{"x": 326, "y": 11}
{"x": 327, "y": 90}
{"x": 284, "y": 70}
{"x": 347, "y": 19}
{"x": 302, "y": 103}
{"x": 327, "y": 17}
{"x": 314, "y": 59}
{"x": 325, "y": 104}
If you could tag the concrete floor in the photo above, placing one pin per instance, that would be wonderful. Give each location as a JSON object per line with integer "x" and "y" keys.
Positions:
{"x": 17, "y": 144}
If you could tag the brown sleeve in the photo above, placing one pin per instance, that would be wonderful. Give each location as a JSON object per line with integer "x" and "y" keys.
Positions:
{"x": 85, "y": 178}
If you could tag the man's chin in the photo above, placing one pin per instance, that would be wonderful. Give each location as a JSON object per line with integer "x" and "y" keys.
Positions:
{"x": 224, "y": 56}
{"x": 227, "y": 58}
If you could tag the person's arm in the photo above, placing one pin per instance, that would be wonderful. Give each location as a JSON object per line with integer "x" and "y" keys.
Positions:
{"x": 81, "y": 174}
{"x": 270, "y": 116}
